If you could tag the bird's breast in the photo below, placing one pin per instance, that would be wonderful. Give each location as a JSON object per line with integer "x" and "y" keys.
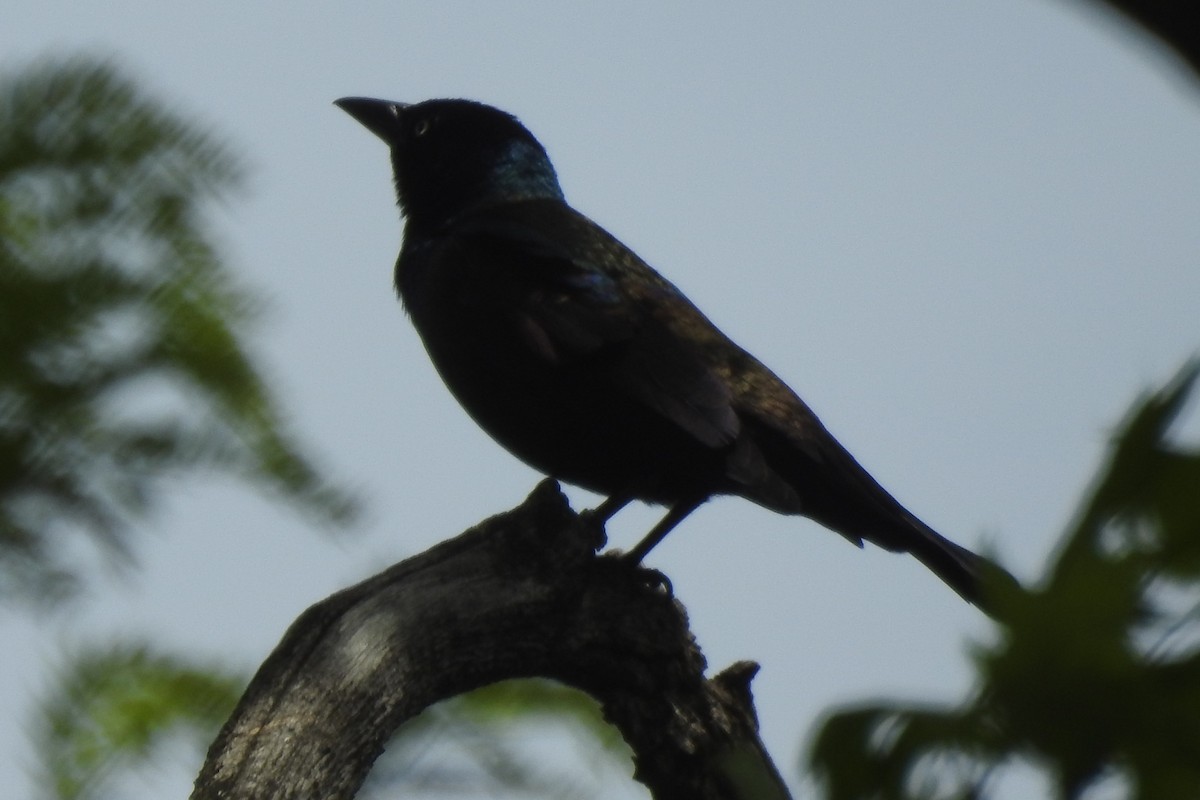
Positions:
{"x": 569, "y": 419}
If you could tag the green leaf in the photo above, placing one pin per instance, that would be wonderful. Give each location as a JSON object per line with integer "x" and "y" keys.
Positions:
{"x": 110, "y": 708}
{"x": 123, "y": 354}
{"x": 1096, "y": 672}
{"x": 481, "y": 741}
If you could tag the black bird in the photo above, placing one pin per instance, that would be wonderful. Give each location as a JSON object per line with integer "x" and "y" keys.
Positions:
{"x": 591, "y": 367}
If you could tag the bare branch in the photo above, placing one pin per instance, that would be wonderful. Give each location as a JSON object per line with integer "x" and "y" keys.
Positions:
{"x": 523, "y": 594}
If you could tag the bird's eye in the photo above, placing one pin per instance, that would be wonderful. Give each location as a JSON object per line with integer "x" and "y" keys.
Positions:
{"x": 421, "y": 126}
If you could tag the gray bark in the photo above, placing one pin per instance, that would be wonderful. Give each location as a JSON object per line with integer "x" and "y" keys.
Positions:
{"x": 522, "y": 594}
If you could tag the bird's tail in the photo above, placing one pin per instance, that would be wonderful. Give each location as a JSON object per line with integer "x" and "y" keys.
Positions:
{"x": 962, "y": 570}
{"x": 877, "y": 517}
{"x": 831, "y": 487}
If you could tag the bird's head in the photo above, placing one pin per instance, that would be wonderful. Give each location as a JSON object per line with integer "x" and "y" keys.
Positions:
{"x": 453, "y": 155}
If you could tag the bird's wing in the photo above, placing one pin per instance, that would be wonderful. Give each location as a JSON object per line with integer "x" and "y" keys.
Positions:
{"x": 575, "y": 309}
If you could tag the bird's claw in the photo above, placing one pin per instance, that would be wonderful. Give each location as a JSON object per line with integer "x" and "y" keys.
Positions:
{"x": 652, "y": 579}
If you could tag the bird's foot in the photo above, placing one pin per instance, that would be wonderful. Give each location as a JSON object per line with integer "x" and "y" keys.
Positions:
{"x": 652, "y": 579}
{"x": 599, "y": 516}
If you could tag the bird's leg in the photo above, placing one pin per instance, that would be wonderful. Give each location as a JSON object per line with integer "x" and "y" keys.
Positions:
{"x": 664, "y": 526}
{"x": 601, "y": 514}
{"x": 608, "y": 509}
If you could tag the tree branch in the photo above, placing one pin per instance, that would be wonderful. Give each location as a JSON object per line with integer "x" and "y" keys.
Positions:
{"x": 522, "y": 594}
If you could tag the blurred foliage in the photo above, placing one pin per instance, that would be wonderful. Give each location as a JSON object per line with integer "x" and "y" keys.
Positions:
{"x": 528, "y": 738}
{"x": 122, "y": 357}
{"x": 110, "y": 708}
{"x": 123, "y": 361}
{"x": 113, "y": 711}
{"x": 1095, "y": 677}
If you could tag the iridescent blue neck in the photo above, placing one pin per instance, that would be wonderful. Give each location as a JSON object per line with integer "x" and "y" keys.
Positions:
{"x": 524, "y": 172}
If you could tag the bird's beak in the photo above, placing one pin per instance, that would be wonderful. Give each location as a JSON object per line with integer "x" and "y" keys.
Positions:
{"x": 380, "y": 117}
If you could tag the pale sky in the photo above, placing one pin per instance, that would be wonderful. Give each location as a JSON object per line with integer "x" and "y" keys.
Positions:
{"x": 965, "y": 232}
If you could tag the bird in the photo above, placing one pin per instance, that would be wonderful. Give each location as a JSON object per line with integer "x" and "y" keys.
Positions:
{"x": 591, "y": 367}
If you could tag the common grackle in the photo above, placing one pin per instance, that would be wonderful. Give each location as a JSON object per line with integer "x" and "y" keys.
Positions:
{"x": 587, "y": 364}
